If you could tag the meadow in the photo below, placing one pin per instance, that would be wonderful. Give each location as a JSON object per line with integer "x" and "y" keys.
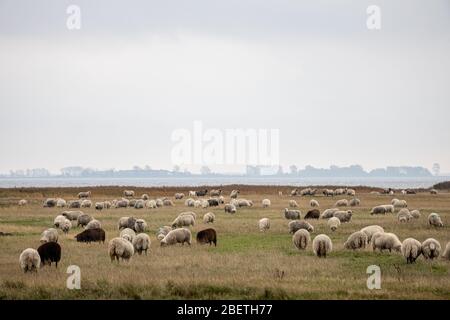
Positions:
{"x": 246, "y": 264}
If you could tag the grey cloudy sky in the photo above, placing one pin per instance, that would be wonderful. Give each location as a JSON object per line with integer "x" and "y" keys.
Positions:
{"x": 110, "y": 95}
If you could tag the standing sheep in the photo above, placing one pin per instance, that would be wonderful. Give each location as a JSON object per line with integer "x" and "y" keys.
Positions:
{"x": 301, "y": 238}
{"x": 296, "y": 225}
{"x": 314, "y": 203}
{"x": 94, "y": 224}
{"x": 126, "y": 222}
{"x": 49, "y": 252}
{"x": 60, "y": 203}
{"x": 179, "y": 196}
{"x": 354, "y": 202}
{"x": 386, "y": 241}
{"x": 72, "y": 215}
{"x": 230, "y": 208}
{"x": 128, "y": 234}
{"x": 328, "y": 213}
{"x": 86, "y": 204}
{"x": 411, "y": 249}
{"x": 180, "y": 235}
{"x": 415, "y": 214}
{"x": 293, "y": 204}
{"x": 312, "y": 214}
{"x": 29, "y": 260}
{"x": 162, "y": 232}
{"x": 343, "y": 216}
{"x": 234, "y": 194}
{"x": 140, "y": 226}
{"x": 139, "y": 204}
{"x": 357, "y": 240}
{"x": 207, "y": 236}
{"x": 371, "y": 230}
{"x": 141, "y": 243}
{"x": 183, "y": 221}
{"x": 341, "y": 203}
{"x": 151, "y": 204}
{"x": 322, "y": 245}
{"x": 404, "y": 215}
{"x": 209, "y": 217}
{"x": 264, "y": 224}
{"x": 435, "y": 220}
{"x": 59, "y": 220}
{"x": 189, "y": 202}
{"x": 333, "y": 223}
{"x": 266, "y": 203}
{"x": 23, "y": 202}
{"x": 83, "y": 219}
{"x": 446, "y": 254}
{"x": 431, "y": 248}
{"x": 49, "y": 235}
{"x": 378, "y": 210}
{"x": 84, "y": 194}
{"x": 128, "y": 193}
{"x": 399, "y": 203}
{"x": 120, "y": 248}
{"x": 65, "y": 226}
{"x": 292, "y": 214}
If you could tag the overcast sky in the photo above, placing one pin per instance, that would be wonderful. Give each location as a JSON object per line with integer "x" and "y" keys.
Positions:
{"x": 110, "y": 94}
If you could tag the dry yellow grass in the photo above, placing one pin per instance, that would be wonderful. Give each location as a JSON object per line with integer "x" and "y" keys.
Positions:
{"x": 246, "y": 264}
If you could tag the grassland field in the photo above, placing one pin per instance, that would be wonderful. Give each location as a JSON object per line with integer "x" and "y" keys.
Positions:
{"x": 246, "y": 264}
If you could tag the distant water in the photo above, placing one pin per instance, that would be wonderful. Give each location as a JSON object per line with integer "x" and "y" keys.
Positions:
{"x": 198, "y": 181}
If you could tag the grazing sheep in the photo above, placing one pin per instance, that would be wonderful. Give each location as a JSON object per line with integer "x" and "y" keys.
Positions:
{"x": 213, "y": 202}
{"x": 23, "y": 202}
{"x": 266, "y": 203}
{"x": 29, "y": 260}
{"x": 188, "y": 213}
{"x": 122, "y": 203}
{"x": 333, "y": 223}
{"x": 132, "y": 202}
{"x": 264, "y": 224}
{"x": 433, "y": 191}
{"x": 207, "y": 236}
{"x": 197, "y": 204}
{"x": 183, "y": 221}
{"x": 341, "y": 203}
{"x": 296, "y": 225}
{"x": 49, "y": 252}
{"x": 84, "y": 194}
{"x": 65, "y": 226}
{"x": 351, "y": 192}
{"x": 294, "y": 193}
{"x": 301, "y": 238}
{"x": 74, "y": 204}
{"x": 339, "y": 192}
{"x": 415, "y": 214}
{"x": 151, "y": 204}
{"x": 209, "y": 217}
{"x": 357, "y": 240}
{"x": 180, "y": 235}
{"x": 221, "y": 199}
{"x": 399, "y": 203}
{"x": 59, "y": 220}
{"x": 386, "y": 241}
{"x": 313, "y": 214}
{"x": 328, "y": 193}
{"x": 191, "y": 193}
{"x": 431, "y": 248}
{"x": 168, "y": 203}
{"x": 328, "y": 213}
{"x": 435, "y": 220}
{"x": 99, "y": 206}
{"x": 215, "y": 193}
{"x": 343, "y": 216}
{"x": 371, "y": 230}
{"x": 234, "y": 202}
{"x": 292, "y": 214}
{"x": 86, "y": 204}
{"x": 162, "y": 232}
{"x": 234, "y": 194}
{"x": 128, "y": 193}
{"x": 204, "y": 203}
{"x": 60, "y": 203}
{"x": 91, "y": 235}
{"x": 179, "y": 196}
{"x": 49, "y": 235}
{"x": 83, "y": 219}
{"x": 411, "y": 249}
{"x": 201, "y": 193}
{"x": 293, "y": 204}
{"x": 120, "y": 248}
{"x": 354, "y": 202}
{"x": 404, "y": 192}
{"x": 389, "y": 208}
{"x": 244, "y": 203}
{"x": 314, "y": 203}
{"x": 94, "y": 224}
{"x": 404, "y": 216}
{"x": 308, "y": 192}
{"x": 230, "y": 208}
{"x": 141, "y": 243}
{"x": 50, "y": 203}
{"x": 189, "y": 202}
{"x": 126, "y": 222}
{"x": 378, "y": 210}
{"x": 446, "y": 254}
{"x": 140, "y": 225}
{"x": 322, "y": 245}
{"x": 128, "y": 234}
{"x": 139, "y": 204}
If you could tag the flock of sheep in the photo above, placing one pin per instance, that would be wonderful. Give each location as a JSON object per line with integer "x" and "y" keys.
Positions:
{"x": 133, "y": 238}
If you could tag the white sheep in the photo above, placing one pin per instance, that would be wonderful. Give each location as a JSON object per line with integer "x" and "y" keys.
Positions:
{"x": 354, "y": 202}
{"x": 23, "y": 202}
{"x": 86, "y": 203}
{"x": 293, "y": 204}
{"x": 280, "y": 193}
{"x": 322, "y": 245}
{"x": 386, "y": 241}
{"x": 446, "y": 254}
{"x": 209, "y": 217}
{"x": 151, "y": 204}
{"x": 59, "y": 220}
{"x": 60, "y": 203}
{"x": 341, "y": 203}
{"x": 357, "y": 240}
{"x": 371, "y": 230}
{"x": 244, "y": 203}
{"x": 128, "y": 193}
{"x": 183, "y": 221}
{"x": 93, "y": 224}
{"x": 139, "y": 204}
{"x": 145, "y": 197}
{"x": 230, "y": 208}
{"x": 292, "y": 214}
{"x": 301, "y": 238}
{"x": 141, "y": 243}
{"x": 197, "y": 204}
{"x": 351, "y": 192}
{"x": 140, "y": 226}
{"x": 328, "y": 213}
{"x": 49, "y": 235}
{"x": 264, "y": 224}
{"x": 120, "y": 248}
{"x": 128, "y": 234}
{"x": 29, "y": 260}
{"x": 399, "y": 203}
{"x": 159, "y": 203}
{"x": 83, "y": 219}
{"x": 378, "y": 210}
{"x": 431, "y": 248}
{"x": 435, "y": 220}
{"x": 415, "y": 214}
{"x": 234, "y": 194}
{"x": 65, "y": 226}
{"x": 333, "y": 223}
{"x": 189, "y": 202}
{"x": 204, "y": 203}
{"x": 411, "y": 249}
{"x": 162, "y": 232}
{"x": 180, "y": 235}
{"x": 266, "y": 203}
{"x": 404, "y": 215}
{"x": 389, "y": 208}
{"x": 188, "y": 213}
{"x": 168, "y": 203}
{"x": 314, "y": 203}
{"x": 299, "y": 224}
{"x": 344, "y": 216}
{"x": 179, "y": 196}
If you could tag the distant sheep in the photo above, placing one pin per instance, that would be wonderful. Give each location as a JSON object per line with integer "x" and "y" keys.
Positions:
{"x": 404, "y": 215}
{"x": 328, "y": 193}
{"x": 23, "y": 202}
{"x": 122, "y": 203}
{"x": 86, "y": 204}
{"x": 328, "y": 213}
{"x": 371, "y": 230}
{"x": 204, "y": 203}
{"x": 183, "y": 221}
{"x": 431, "y": 248}
{"x": 168, "y": 203}
{"x": 83, "y": 219}
{"x": 264, "y": 224}
{"x": 433, "y": 191}
{"x": 29, "y": 260}
{"x": 343, "y": 216}
{"x": 162, "y": 232}
{"x": 180, "y": 235}
{"x": 339, "y": 192}
{"x": 341, "y": 203}
{"x": 333, "y": 223}
{"x": 354, "y": 202}
{"x": 188, "y": 213}
{"x": 128, "y": 193}
{"x": 293, "y": 204}
{"x": 399, "y": 203}
{"x": 314, "y": 203}
{"x": 386, "y": 241}
{"x": 209, "y": 217}
{"x": 415, "y": 214}
{"x": 312, "y": 214}
{"x": 60, "y": 203}
{"x": 140, "y": 226}
{"x": 120, "y": 248}
{"x": 145, "y": 197}
{"x": 411, "y": 249}
{"x": 128, "y": 234}
{"x": 201, "y": 193}
{"x": 280, "y": 193}
{"x": 296, "y": 225}
{"x": 139, "y": 204}
{"x": 207, "y": 236}
{"x": 244, "y": 203}
{"x": 294, "y": 193}
{"x": 159, "y": 203}
{"x": 292, "y": 214}
{"x": 266, "y": 203}
{"x": 378, "y": 210}
{"x": 94, "y": 224}
{"x": 213, "y": 202}
{"x": 322, "y": 245}
{"x": 179, "y": 196}
{"x": 191, "y": 193}
{"x": 389, "y": 208}
{"x": 49, "y": 235}
{"x": 91, "y": 235}
{"x": 49, "y": 252}
{"x": 215, "y": 193}
{"x": 141, "y": 243}
{"x": 234, "y": 194}
{"x": 59, "y": 220}
{"x": 351, "y": 192}
{"x": 84, "y": 194}
{"x": 435, "y": 220}
{"x": 230, "y": 208}
{"x": 189, "y": 202}
{"x": 49, "y": 203}
{"x": 126, "y": 222}
{"x": 151, "y": 204}
{"x": 74, "y": 204}
{"x": 357, "y": 240}
{"x": 301, "y": 238}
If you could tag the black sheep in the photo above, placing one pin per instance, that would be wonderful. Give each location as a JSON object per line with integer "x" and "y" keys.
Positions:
{"x": 313, "y": 214}
{"x": 91, "y": 235}
{"x": 50, "y": 252}
{"x": 201, "y": 193}
{"x": 207, "y": 236}
{"x": 213, "y": 202}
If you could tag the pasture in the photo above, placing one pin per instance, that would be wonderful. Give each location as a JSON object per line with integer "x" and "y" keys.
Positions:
{"x": 246, "y": 264}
